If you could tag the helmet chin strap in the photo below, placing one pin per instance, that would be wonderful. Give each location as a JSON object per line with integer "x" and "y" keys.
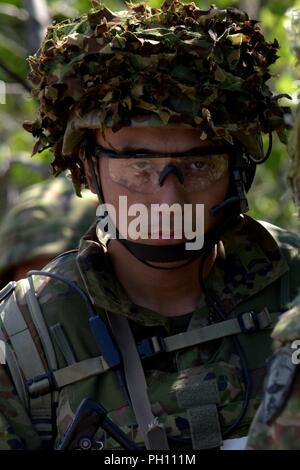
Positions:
{"x": 148, "y": 254}
{"x": 178, "y": 252}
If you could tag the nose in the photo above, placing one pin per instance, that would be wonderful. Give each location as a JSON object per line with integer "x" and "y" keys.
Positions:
{"x": 172, "y": 190}
{"x": 170, "y": 169}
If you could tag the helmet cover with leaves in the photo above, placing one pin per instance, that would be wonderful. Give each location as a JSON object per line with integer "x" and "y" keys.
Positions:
{"x": 178, "y": 64}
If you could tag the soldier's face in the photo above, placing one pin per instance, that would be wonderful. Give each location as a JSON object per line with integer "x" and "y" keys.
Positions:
{"x": 158, "y": 140}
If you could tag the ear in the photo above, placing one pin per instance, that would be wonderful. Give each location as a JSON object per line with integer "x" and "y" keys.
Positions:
{"x": 87, "y": 171}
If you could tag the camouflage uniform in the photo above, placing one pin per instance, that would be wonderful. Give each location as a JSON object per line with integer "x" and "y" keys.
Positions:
{"x": 250, "y": 276}
{"x": 207, "y": 70}
{"x": 277, "y": 423}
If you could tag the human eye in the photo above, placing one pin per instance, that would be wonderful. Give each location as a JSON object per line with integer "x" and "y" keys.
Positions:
{"x": 140, "y": 165}
{"x": 199, "y": 164}
{"x": 208, "y": 163}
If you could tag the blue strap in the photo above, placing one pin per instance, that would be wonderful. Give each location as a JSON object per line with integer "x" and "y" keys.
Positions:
{"x": 104, "y": 341}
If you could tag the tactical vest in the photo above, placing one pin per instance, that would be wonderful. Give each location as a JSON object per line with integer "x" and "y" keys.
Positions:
{"x": 48, "y": 371}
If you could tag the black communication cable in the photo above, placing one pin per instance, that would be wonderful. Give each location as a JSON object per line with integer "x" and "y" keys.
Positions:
{"x": 213, "y": 305}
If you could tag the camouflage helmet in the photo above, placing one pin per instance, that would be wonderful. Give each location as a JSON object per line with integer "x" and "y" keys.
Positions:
{"x": 48, "y": 220}
{"x": 206, "y": 69}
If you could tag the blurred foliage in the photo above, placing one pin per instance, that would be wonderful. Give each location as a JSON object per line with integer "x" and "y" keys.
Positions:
{"x": 270, "y": 198}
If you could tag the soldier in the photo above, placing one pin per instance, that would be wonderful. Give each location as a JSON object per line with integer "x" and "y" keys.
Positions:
{"x": 141, "y": 342}
{"x": 277, "y": 423}
{"x": 47, "y": 220}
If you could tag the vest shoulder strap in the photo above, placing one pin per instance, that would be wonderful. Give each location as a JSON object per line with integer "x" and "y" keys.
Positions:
{"x": 37, "y": 383}
{"x": 23, "y": 360}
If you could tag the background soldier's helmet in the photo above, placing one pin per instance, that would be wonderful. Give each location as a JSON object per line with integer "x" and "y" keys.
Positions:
{"x": 206, "y": 69}
{"x": 48, "y": 220}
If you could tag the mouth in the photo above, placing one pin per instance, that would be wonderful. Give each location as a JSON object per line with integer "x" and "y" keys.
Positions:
{"x": 165, "y": 238}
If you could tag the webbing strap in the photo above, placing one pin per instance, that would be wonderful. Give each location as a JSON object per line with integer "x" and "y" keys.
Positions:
{"x": 97, "y": 365}
{"x": 205, "y": 427}
{"x": 54, "y": 380}
{"x": 153, "y": 433}
{"x": 200, "y": 396}
{"x": 18, "y": 380}
{"x": 197, "y": 390}
{"x": 63, "y": 343}
{"x": 27, "y": 357}
{"x": 80, "y": 370}
{"x": 38, "y": 320}
{"x": 219, "y": 330}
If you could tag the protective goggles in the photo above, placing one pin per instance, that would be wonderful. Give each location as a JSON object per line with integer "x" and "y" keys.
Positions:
{"x": 146, "y": 172}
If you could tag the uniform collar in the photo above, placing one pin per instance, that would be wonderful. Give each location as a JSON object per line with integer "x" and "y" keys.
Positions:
{"x": 250, "y": 262}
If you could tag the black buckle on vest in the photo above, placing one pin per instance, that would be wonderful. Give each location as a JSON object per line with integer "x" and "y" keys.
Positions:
{"x": 248, "y": 322}
{"x": 41, "y": 384}
{"x": 150, "y": 347}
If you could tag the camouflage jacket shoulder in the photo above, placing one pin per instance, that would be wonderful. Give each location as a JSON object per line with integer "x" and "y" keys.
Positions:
{"x": 288, "y": 327}
{"x": 276, "y": 425}
{"x": 289, "y": 244}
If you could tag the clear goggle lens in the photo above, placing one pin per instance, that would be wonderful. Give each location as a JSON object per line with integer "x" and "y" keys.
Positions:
{"x": 143, "y": 174}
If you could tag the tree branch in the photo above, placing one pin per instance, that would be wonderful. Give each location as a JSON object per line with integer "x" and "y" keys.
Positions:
{"x": 39, "y": 19}
{"x": 15, "y": 76}
{"x": 252, "y": 7}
